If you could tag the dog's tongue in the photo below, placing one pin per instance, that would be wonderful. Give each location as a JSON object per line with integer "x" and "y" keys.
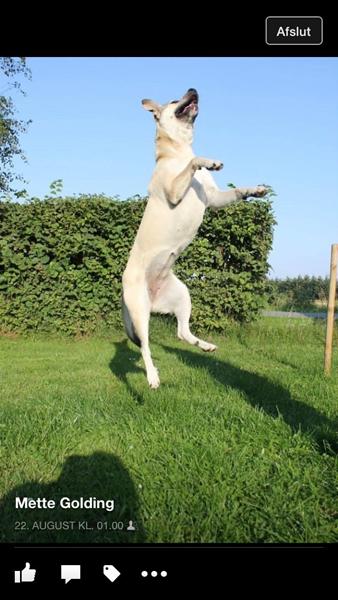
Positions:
{"x": 189, "y": 106}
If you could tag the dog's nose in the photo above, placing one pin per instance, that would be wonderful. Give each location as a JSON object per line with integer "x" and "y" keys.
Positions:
{"x": 192, "y": 91}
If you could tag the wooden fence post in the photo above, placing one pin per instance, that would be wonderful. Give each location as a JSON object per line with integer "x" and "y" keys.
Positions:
{"x": 330, "y": 310}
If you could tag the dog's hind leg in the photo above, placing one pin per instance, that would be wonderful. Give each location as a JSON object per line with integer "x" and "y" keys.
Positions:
{"x": 183, "y": 312}
{"x": 137, "y": 302}
{"x": 173, "y": 297}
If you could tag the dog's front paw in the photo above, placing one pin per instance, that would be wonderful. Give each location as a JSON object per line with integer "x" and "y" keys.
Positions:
{"x": 216, "y": 165}
{"x": 259, "y": 191}
{"x": 207, "y": 163}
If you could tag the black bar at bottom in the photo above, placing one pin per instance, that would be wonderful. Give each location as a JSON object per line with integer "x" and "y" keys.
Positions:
{"x": 160, "y": 566}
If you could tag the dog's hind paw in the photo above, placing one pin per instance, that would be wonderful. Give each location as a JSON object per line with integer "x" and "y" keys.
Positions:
{"x": 206, "y": 347}
{"x": 153, "y": 379}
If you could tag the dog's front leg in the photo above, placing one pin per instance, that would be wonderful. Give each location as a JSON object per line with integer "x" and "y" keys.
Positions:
{"x": 178, "y": 188}
{"x": 218, "y": 199}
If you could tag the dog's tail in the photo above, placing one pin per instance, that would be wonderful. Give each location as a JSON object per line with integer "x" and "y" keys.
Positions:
{"x": 129, "y": 325}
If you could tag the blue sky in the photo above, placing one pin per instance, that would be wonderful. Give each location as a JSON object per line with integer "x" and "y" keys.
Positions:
{"x": 269, "y": 120}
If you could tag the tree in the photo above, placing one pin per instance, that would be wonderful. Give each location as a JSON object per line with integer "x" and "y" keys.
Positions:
{"x": 10, "y": 126}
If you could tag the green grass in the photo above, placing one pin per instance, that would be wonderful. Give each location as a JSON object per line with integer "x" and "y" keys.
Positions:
{"x": 237, "y": 446}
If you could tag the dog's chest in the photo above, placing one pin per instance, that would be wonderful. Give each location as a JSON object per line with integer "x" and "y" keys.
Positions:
{"x": 186, "y": 218}
{"x": 172, "y": 227}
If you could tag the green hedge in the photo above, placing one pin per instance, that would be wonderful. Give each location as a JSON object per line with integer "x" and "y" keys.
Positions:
{"x": 301, "y": 291}
{"x": 61, "y": 262}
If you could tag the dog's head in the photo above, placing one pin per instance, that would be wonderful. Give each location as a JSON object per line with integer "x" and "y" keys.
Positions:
{"x": 177, "y": 117}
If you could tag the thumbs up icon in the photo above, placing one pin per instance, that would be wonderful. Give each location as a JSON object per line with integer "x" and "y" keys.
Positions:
{"x": 27, "y": 574}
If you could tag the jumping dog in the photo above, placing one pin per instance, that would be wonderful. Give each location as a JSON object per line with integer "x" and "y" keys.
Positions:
{"x": 180, "y": 190}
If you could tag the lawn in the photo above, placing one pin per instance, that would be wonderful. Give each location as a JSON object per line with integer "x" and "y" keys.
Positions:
{"x": 237, "y": 446}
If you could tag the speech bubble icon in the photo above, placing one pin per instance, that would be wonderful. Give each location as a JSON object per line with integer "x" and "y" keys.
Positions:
{"x": 69, "y": 572}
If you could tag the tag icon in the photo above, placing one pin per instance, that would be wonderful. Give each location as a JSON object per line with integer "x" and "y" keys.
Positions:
{"x": 110, "y": 572}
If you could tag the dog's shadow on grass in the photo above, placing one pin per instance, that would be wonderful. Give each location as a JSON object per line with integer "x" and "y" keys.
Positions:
{"x": 262, "y": 393}
{"x": 101, "y": 476}
{"x": 123, "y": 363}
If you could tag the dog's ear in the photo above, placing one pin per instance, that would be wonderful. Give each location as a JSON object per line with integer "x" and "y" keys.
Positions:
{"x": 153, "y": 107}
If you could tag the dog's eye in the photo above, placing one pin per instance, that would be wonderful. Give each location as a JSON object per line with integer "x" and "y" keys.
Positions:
{"x": 174, "y": 102}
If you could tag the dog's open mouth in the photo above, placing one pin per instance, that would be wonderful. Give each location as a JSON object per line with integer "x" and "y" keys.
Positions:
{"x": 188, "y": 107}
